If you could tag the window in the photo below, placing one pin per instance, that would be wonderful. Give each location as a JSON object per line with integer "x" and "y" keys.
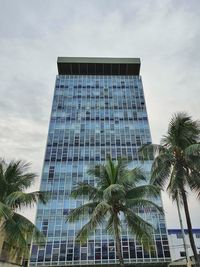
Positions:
{"x": 182, "y": 253}
{"x": 179, "y": 236}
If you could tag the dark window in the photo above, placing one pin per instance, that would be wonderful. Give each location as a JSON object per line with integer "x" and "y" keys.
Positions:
{"x": 179, "y": 236}
{"x": 69, "y": 257}
{"x": 182, "y": 253}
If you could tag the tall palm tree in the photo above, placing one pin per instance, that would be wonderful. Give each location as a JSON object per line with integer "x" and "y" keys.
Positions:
{"x": 117, "y": 191}
{"x": 176, "y": 163}
{"x": 16, "y": 229}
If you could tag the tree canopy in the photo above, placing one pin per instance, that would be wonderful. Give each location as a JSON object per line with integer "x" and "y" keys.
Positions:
{"x": 114, "y": 195}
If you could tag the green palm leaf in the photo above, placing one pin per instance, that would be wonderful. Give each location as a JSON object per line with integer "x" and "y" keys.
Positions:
{"x": 80, "y": 212}
{"x": 143, "y": 191}
{"x": 96, "y": 219}
{"x": 193, "y": 150}
{"x": 139, "y": 227}
{"x": 144, "y": 203}
{"x": 149, "y": 151}
{"x": 20, "y": 231}
{"x": 5, "y": 212}
{"x": 16, "y": 174}
{"x": 132, "y": 177}
{"x": 18, "y": 199}
{"x": 16, "y": 229}
{"x": 176, "y": 165}
{"x": 117, "y": 190}
{"x": 113, "y": 192}
{"x": 84, "y": 189}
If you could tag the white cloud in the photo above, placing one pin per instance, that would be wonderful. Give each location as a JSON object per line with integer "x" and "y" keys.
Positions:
{"x": 165, "y": 34}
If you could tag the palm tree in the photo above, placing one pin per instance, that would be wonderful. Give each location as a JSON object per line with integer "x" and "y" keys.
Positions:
{"x": 17, "y": 230}
{"x": 116, "y": 191}
{"x": 177, "y": 163}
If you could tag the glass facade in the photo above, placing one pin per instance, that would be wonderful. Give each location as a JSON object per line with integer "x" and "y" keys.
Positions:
{"x": 92, "y": 116}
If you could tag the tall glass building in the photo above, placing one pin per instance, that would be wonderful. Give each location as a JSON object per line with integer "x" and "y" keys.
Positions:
{"x": 98, "y": 110}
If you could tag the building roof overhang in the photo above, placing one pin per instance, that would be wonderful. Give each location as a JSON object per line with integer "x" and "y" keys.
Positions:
{"x": 98, "y": 66}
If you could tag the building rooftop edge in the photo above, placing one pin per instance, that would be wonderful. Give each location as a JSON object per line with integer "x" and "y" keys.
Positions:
{"x": 98, "y": 66}
{"x": 103, "y": 60}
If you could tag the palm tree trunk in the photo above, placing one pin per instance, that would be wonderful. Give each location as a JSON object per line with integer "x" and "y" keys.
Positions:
{"x": 189, "y": 225}
{"x": 118, "y": 242}
{"x": 183, "y": 233}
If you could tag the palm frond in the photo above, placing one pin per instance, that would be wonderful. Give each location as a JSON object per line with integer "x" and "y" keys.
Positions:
{"x": 100, "y": 173}
{"x": 121, "y": 168}
{"x": 144, "y": 203}
{"x": 5, "y": 212}
{"x": 84, "y": 189}
{"x": 114, "y": 192}
{"x": 111, "y": 170}
{"x": 143, "y": 191}
{"x": 192, "y": 162}
{"x": 193, "y": 150}
{"x": 132, "y": 177}
{"x": 20, "y": 231}
{"x": 19, "y": 199}
{"x": 2, "y": 181}
{"x": 161, "y": 170}
{"x": 80, "y": 212}
{"x": 96, "y": 219}
{"x": 176, "y": 180}
{"x": 110, "y": 225}
{"x": 16, "y": 173}
{"x": 94, "y": 171}
{"x": 150, "y": 151}
{"x": 139, "y": 227}
{"x": 193, "y": 180}
{"x": 182, "y": 131}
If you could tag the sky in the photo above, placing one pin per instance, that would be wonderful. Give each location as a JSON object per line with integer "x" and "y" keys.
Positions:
{"x": 164, "y": 34}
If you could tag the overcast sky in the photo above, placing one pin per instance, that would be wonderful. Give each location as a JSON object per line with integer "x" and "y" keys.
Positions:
{"x": 164, "y": 34}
